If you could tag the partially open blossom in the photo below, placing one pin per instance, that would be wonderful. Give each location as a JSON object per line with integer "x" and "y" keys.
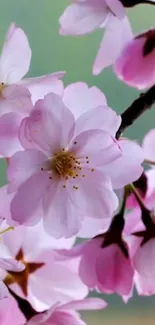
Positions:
{"x": 46, "y": 279}
{"x": 15, "y": 61}
{"x": 142, "y": 241}
{"x": 83, "y": 17}
{"x": 105, "y": 268}
{"x": 67, "y": 313}
{"x": 135, "y": 65}
{"x": 10, "y": 313}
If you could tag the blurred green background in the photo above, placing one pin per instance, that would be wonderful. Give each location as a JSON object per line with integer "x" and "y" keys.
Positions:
{"x": 75, "y": 55}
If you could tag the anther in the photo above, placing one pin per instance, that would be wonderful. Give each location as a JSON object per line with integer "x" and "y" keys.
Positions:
{"x": 92, "y": 170}
{"x": 50, "y": 177}
{"x": 42, "y": 168}
{"x": 75, "y": 142}
{"x": 64, "y": 186}
{"x": 87, "y": 161}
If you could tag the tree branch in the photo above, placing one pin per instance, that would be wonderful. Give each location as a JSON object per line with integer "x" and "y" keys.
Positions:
{"x": 137, "y": 108}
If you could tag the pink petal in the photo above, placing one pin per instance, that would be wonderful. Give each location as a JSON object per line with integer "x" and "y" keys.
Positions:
{"x": 138, "y": 72}
{"x": 87, "y": 270}
{"x": 118, "y": 33}
{"x": 4, "y": 293}
{"x": 41, "y": 86}
{"x": 63, "y": 220}
{"x": 23, "y": 164}
{"x": 16, "y": 99}
{"x": 86, "y": 304}
{"x": 10, "y": 264}
{"x": 116, "y": 7}
{"x": 144, "y": 259}
{"x": 15, "y": 57}
{"x": 116, "y": 275}
{"x": 80, "y": 99}
{"x": 9, "y": 127}
{"x": 101, "y": 117}
{"x": 83, "y": 17}
{"x": 131, "y": 160}
{"x": 98, "y": 145}
{"x": 149, "y": 145}
{"x": 26, "y": 202}
{"x": 92, "y": 227}
{"x": 50, "y": 124}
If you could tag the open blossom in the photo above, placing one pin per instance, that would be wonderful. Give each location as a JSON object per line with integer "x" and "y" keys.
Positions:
{"x": 67, "y": 313}
{"x": 83, "y": 17}
{"x": 10, "y": 312}
{"x": 135, "y": 65}
{"x": 41, "y": 282}
{"x": 67, "y": 161}
{"x": 60, "y": 173}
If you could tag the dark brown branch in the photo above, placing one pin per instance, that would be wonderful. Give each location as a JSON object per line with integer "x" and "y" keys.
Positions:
{"x": 137, "y": 108}
{"x": 24, "y": 306}
{"x": 131, "y": 3}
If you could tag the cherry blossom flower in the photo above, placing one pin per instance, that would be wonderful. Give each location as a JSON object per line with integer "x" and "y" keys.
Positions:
{"x": 62, "y": 168}
{"x": 11, "y": 315}
{"x": 15, "y": 99}
{"x": 15, "y": 62}
{"x": 138, "y": 72}
{"x": 41, "y": 282}
{"x": 83, "y": 17}
{"x": 110, "y": 267}
{"x": 67, "y": 313}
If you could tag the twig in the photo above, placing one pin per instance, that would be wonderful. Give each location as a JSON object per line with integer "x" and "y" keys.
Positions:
{"x": 137, "y": 108}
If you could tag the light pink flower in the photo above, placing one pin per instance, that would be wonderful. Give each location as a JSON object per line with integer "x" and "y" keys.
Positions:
{"x": 67, "y": 313}
{"x": 10, "y": 313}
{"x": 135, "y": 65}
{"x": 15, "y": 99}
{"x": 107, "y": 269}
{"x": 47, "y": 277}
{"x": 15, "y": 62}
{"x": 83, "y": 17}
{"x": 60, "y": 173}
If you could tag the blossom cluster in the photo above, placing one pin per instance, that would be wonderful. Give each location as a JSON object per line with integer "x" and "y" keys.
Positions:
{"x": 71, "y": 174}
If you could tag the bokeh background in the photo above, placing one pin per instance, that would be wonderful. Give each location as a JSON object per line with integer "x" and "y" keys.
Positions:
{"x": 75, "y": 55}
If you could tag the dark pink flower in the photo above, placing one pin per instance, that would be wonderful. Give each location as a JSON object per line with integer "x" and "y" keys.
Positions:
{"x": 135, "y": 66}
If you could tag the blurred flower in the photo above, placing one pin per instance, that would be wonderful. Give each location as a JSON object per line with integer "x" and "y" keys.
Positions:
{"x": 83, "y": 17}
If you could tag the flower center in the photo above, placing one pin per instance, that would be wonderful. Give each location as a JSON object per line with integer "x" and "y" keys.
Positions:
{"x": 63, "y": 164}
{"x": 21, "y": 278}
